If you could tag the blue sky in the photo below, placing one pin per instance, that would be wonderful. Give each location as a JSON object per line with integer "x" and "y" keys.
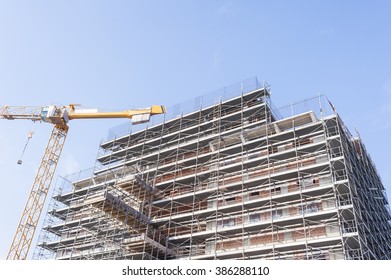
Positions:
{"x": 129, "y": 54}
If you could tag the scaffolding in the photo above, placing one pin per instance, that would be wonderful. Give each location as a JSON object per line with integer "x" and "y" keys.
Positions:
{"x": 229, "y": 177}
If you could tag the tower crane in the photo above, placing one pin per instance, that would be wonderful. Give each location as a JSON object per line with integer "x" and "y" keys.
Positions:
{"x": 58, "y": 116}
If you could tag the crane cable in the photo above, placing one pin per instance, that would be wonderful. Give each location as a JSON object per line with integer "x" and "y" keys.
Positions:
{"x": 29, "y": 136}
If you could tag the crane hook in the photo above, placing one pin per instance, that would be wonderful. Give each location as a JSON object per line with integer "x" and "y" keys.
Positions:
{"x": 29, "y": 136}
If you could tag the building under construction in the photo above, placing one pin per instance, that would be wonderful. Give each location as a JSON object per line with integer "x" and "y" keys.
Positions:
{"x": 225, "y": 176}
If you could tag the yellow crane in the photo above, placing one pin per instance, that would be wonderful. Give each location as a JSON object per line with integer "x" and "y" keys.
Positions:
{"x": 59, "y": 116}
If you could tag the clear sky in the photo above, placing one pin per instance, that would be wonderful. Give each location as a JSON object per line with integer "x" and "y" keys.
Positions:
{"x": 129, "y": 54}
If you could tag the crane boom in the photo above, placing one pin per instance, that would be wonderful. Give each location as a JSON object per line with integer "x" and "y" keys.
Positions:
{"x": 79, "y": 114}
{"x": 59, "y": 116}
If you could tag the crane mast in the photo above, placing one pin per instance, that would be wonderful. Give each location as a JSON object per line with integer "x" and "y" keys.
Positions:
{"x": 59, "y": 117}
{"x": 32, "y": 211}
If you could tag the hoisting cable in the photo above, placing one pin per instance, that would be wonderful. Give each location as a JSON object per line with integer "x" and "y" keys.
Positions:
{"x": 29, "y": 136}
